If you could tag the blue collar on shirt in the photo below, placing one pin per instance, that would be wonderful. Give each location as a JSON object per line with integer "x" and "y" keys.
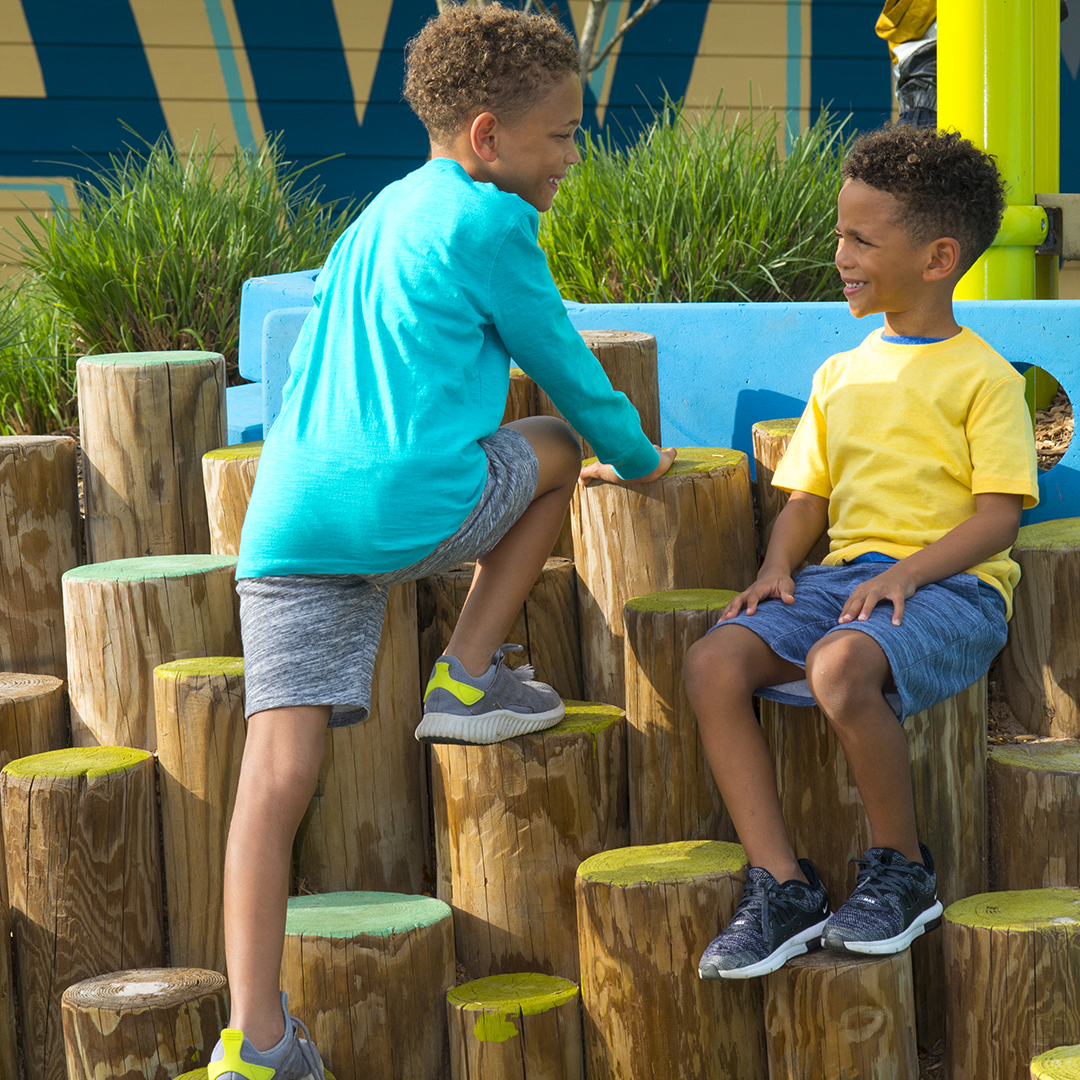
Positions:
{"x": 893, "y": 340}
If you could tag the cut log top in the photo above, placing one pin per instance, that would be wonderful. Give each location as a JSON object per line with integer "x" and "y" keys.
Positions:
{"x": 1027, "y": 909}
{"x": 528, "y": 994}
{"x": 23, "y": 442}
{"x": 350, "y": 914}
{"x": 683, "y": 600}
{"x": 201, "y": 667}
{"x": 144, "y": 988}
{"x": 236, "y": 452}
{"x": 659, "y": 863}
{"x": 19, "y": 686}
{"x": 1060, "y": 535}
{"x": 145, "y": 359}
{"x": 1062, "y": 1063}
{"x": 152, "y": 566}
{"x": 1063, "y": 757}
{"x": 698, "y": 459}
{"x": 778, "y": 428}
{"x": 588, "y": 717}
{"x": 78, "y": 761}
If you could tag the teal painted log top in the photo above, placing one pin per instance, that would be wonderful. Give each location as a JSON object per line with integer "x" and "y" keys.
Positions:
{"x": 350, "y": 914}
{"x": 151, "y": 566}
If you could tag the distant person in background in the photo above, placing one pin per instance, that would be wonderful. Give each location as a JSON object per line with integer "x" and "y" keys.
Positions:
{"x": 910, "y": 28}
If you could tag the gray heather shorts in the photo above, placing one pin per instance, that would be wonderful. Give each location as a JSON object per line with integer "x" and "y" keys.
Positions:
{"x": 311, "y": 639}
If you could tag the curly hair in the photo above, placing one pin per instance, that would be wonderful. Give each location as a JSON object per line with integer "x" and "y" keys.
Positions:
{"x": 946, "y": 185}
{"x": 468, "y": 60}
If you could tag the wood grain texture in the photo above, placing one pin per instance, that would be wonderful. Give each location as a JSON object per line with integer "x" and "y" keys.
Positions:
{"x": 771, "y": 438}
{"x": 1012, "y": 963}
{"x": 546, "y": 625}
{"x": 33, "y": 715}
{"x": 1034, "y": 790}
{"x": 520, "y": 398}
{"x": 672, "y": 792}
{"x": 9, "y": 1049}
{"x": 368, "y": 973}
{"x": 827, "y": 823}
{"x": 645, "y": 915}
{"x": 513, "y": 821}
{"x": 199, "y": 706}
{"x": 146, "y": 419}
{"x": 228, "y": 478}
{"x": 515, "y": 1027}
{"x": 1040, "y": 664}
{"x": 142, "y": 1024}
{"x": 40, "y": 540}
{"x": 84, "y": 875}
{"x": 691, "y": 529}
{"x": 126, "y": 617}
{"x": 830, "y": 1017}
{"x": 367, "y": 825}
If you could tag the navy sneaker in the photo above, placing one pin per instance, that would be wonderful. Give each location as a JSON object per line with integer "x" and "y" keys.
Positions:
{"x": 772, "y": 923}
{"x": 894, "y": 902}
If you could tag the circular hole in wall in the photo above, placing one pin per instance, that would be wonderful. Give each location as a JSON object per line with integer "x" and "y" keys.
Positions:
{"x": 1053, "y": 430}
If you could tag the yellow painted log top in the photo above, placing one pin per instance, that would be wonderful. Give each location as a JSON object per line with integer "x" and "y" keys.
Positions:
{"x": 1061, "y": 1063}
{"x": 698, "y": 459}
{"x": 1025, "y": 909}
{"x": 1061, "y": 757}
{"x": 78, "y": 761}
{"x": 235, "y": 452}
{"x": 682, "y": 600}
{"x": 1062, "y": 534}
{"x": 655, "y": 864}
{"x": 778, "y": 427}
{"x": 201, "y": 667}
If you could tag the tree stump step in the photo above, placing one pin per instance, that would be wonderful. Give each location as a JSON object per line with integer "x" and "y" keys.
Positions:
{"x": 515, "y": 1027}
{"x": 33, "y": 715}
{"x": 1061, "y": 1063}
{"x": 645, "y": 915}
{"x": 513, "y": 821}
{"x": 228, "y": 478}
{"x": 368, "y": 973}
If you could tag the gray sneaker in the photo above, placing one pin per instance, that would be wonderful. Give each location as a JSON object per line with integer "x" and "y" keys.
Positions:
{"x": 294, "y": 1058}
{"x": 501, "y": 704}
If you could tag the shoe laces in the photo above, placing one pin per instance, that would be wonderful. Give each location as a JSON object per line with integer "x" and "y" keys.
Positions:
{"x": 883, "y": 880}
{"x": 525, "y": 672}
{"x": 307, "y": 1049}
{"x": 761, "y": 896}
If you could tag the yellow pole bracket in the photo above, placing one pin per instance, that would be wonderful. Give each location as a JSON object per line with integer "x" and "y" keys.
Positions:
{"x": 1022, "y": 226}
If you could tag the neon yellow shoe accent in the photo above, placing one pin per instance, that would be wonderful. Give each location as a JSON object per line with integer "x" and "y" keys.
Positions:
{"x": 232, "y": 1040}
{"x": 443, "y": 680}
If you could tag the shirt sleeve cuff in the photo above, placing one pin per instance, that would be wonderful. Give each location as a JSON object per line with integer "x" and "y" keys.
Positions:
{"x": 643, "y": 461}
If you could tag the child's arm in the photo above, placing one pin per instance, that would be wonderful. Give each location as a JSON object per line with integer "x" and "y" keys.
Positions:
{"x": 990, "y": 530}
{"x": 798, "y": 526}
{"x": 597, "y": 470}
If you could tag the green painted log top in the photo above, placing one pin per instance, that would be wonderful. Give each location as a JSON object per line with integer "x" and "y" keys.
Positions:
{"x": 201, "y": 667}
{"x": 349, "y": 914}
{"x": 1027, "y": 909}
{"x": 145, "y": 359}
{"x": 1061, "y": 1063}
{"x": 590, "y": 717}
{"x": 1051, "y": 756}
{"x": 78, "y": 761}
{"x": 682, "y": 600}
{"x": 658, "y": 863}
{"x": 235, "y": 452}
{"x": 500, "y": 997}
{"x": 150, "y": 566}
{"x": 778, "y": 427}
{"x": 699, "y": 459}
{"x": 1062, "y": 534}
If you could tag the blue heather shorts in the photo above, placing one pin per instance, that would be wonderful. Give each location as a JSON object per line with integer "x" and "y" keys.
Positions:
{"x": 950, "y": 633}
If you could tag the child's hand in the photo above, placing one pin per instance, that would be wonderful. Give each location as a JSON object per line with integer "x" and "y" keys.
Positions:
{"x": 767, "y": 587}
{"x": 599, "y": 471}
{"x": 893, "y": 585}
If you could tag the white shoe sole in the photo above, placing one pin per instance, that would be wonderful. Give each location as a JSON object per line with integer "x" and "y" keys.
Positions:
{"x": 927, "y": 920}
{"x": 485, "y": 729}
{"x": 794, "y": 946}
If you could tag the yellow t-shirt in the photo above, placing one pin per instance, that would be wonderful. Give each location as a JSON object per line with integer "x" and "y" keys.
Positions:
{"x": 901, "y": 438}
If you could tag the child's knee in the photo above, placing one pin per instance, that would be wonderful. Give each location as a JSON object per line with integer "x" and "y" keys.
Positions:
{"x": 843, "y": 671}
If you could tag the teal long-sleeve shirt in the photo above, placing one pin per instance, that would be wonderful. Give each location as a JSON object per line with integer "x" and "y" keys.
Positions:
{"x": 403, "y": 366}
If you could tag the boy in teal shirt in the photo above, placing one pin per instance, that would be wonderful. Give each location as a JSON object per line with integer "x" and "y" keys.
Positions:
{"x": 388, "y": 463}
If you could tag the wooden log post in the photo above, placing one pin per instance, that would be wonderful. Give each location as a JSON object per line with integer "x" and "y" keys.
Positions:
{"x": 1040, "y": 664}
{"x": 367, "y": 825}
{"x": 691, "y": 529}
{"x": 546, "y": 625}
{"x": 771, "y": 438}
{"x": 1011, "y": 962}
{"x": 827, "y": 823}
{"x": 1034, "y": 788}
{"x": 145, "y": 420}
{"x": 200, "y": 738}
{"x": 513, "y": 821}
{"x": 1061, "y": 1063}
{"x": 645, "y": 915}
{"x": 662, "y": 734}
{"x": 39, "y": 505}
{"x": 84, "y": 874}
{"x": 521, "y": 397}
{"x": 228, "y": 477}
{"x": 151, "y": 1022}
{"x": 515, "y": 1027}
{"x": 9, "y": 1047}
{"x": 828, "y": 1016}
{"x": 126, "y": 617}
{"x": 33, "y": 715}
{"x": 368, "y": 973}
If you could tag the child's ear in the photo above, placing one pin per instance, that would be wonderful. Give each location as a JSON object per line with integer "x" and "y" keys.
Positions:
{"x": 943, "y": 259}
{"x": 482, "y": 136}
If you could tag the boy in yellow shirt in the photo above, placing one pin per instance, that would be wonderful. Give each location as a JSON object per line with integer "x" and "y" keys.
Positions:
{"x": 916, "y": 453}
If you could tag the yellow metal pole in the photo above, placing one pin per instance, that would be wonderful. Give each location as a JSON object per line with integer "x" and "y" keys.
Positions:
{"x": 1047, "y": 73}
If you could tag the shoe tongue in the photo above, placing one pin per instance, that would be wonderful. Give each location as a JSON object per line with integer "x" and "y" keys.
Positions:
{"x": 758, "y": 875}
{"x": 887, "y": 855}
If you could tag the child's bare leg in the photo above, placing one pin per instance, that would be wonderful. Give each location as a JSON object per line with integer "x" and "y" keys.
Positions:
{"x": 723, "y": 670}
{"x": 846, "y": 671}
{"x": 505, "y": 574}
{"x": 283, "y": 753}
